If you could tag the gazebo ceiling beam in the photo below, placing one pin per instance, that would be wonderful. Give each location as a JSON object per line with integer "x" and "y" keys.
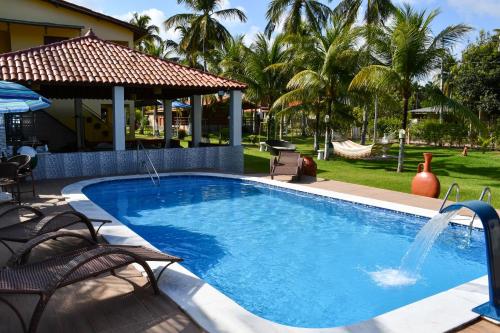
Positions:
{"x": 131, "y": 93}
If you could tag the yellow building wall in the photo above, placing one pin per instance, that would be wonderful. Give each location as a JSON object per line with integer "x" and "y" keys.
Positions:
{"x": 25, "y": 36}
{"x": 15, "y": 36}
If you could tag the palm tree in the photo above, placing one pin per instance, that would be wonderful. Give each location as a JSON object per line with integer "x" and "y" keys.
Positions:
{"x": 376, "y": 13}
{"x": 316, "y": 15}
{"x": 204, "y": 30}
{"x": 265, "y": 83}
{"x": 407, "y": 52}
{"x": 165, "y": 49}
{"x": 152, "y": 31}
{"x": 333, "y": 61}
{"x": 228, "y": 59}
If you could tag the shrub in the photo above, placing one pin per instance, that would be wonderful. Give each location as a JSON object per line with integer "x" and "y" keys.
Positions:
{"x": 181, "y": 134}
{"x": 389, "y": 126}
{"x": 224, "y": 135}
{"x": 431, "y": 131}
{"x": 252, "y": 138}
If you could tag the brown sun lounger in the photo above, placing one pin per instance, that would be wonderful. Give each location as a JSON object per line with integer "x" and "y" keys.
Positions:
{"x": 45, "y": 277}
{"x": 286, "y": 164}
{"x": 41, "y": 224}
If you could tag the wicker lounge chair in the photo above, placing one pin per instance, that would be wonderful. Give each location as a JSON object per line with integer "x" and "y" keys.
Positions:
{"x": 277, "y": 146}
{"x": 286, "y": 164}
{"x": 45, "y": 277}
{"x": 25, "y": 169}
{"x": 41, "y": 224}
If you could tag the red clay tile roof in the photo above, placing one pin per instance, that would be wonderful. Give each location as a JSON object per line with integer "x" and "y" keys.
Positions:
{"x": 90, "y": 60}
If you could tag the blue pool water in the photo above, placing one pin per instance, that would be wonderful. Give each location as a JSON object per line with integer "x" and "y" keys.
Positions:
{"x": 293, "y": 258}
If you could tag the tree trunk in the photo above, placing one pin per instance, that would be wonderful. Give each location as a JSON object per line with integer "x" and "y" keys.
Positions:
{"x": 404, "y": 124}
{"x": 375, "y": 120}
{"x": 282, "y": 126}
{"x": 141, "y": 128}
{"x": 316, "y": 132}
{"x": 364, "y": 128}
{"x": 327, "y": 131}
{"x": 304, "y": 124}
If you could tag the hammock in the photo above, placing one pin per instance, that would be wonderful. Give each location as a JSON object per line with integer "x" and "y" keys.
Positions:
{"x": 353, "y": 150}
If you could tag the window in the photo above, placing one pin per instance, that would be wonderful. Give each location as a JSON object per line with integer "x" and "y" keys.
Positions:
{"x": 53, "y": 39}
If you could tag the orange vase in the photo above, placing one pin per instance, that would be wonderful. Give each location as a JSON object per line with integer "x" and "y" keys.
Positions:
{"x": 425, "y": 182}
{"x": 309, "y": 166}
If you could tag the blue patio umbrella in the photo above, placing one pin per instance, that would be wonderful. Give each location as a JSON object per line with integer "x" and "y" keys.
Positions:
{"x": 15, "y": 98}
{"x": 179, "y": 105}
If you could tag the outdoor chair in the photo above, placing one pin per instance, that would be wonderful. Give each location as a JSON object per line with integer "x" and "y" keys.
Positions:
{"x": 286, "y": 164}
{"x": 9, "y": 179}
{"x": 24, "y": 169}
{"x": 43, "y": 278}
{"x": 40, "y": 224}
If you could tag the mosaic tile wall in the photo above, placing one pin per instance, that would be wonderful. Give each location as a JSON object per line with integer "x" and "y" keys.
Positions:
{"x": 3, "y": 138}
{"x": 112, "y": 163}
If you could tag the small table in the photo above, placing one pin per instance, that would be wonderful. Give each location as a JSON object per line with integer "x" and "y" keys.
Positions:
{"x": 263, "y": 146}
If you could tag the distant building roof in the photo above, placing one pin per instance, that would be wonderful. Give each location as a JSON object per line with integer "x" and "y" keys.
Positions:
{"x": 97, "y": 63}
{"x": 138, "y": 32}
{"x": 428, "y": 110}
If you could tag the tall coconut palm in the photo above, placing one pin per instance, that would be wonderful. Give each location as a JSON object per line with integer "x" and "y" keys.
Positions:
{"x": 295, "y": 13}
{"x": 407, "y": 52}
{"x": 204, "y": 30}
{"x": 376, "y": 13}
{"x": 229, "y": 58}
{"x": 165, "y": 49}
{"x": 332, "y": 63}
{"x": 152, "y": 31}
{"x": 265, "y": 83}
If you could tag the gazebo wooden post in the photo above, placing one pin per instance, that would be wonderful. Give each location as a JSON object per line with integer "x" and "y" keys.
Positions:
{"x": 197, "y": 116}
{"x": 235, "y": 122}
{"x": 118, "y": 118}
{"x": 167, "y": 121}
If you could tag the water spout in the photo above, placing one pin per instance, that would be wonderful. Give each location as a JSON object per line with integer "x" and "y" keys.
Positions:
{"x": 408, "y": 272}
{"x": 491, "y": 226}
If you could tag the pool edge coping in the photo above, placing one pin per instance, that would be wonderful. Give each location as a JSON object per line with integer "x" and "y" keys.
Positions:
{"x": 204, "y": 304}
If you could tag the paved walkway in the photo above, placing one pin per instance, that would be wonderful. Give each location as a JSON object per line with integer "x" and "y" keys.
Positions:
{"x": 109, "y": 304}
{"x": 105, "y": 305}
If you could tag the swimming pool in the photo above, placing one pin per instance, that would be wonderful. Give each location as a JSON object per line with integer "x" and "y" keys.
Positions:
{"x": 287, "y": 256}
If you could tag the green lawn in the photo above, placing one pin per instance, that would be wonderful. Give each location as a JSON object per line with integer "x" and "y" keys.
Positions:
{"x": 472, "y": 173}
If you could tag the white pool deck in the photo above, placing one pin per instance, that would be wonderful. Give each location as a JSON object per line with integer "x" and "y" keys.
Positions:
{"x": 215, "y": 312}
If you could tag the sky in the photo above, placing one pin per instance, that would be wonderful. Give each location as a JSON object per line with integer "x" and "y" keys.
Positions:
{"x": 480, "y": 14}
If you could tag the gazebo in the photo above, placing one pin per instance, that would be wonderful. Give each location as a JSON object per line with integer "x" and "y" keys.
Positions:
{"x": 90, "y": 68}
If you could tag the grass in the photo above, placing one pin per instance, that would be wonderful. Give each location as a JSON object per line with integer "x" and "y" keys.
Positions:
{"x": 472, "y": 173}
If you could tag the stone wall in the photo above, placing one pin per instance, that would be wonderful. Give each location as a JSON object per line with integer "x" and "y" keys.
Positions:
{"x": 111, "y": 163}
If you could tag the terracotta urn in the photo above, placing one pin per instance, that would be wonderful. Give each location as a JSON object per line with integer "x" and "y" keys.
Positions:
{"x": 309, "y": 167}
{"x": 425, "y": 182}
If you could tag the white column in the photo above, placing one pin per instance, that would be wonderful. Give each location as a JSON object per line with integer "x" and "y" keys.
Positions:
{"x": 235, "y": 122}
{"x": 118, "y": 118}
{"x": 156, "y": 132}
{"x": 197, "y": 115}
{"x": 167, "y": 121}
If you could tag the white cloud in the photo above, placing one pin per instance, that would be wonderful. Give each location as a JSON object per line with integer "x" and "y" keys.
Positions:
{"x": 478, "y": 7}
{"x": 157, "y": 18}
{"x": 251, "y": 35}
